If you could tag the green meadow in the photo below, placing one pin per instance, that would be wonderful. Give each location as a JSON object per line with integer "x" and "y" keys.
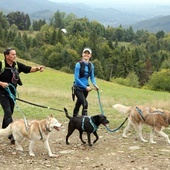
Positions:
{"x": 52, "y": 88}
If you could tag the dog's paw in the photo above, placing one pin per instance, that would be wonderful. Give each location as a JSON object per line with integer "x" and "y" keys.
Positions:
{"x": 83, "y": 142}
{"x": 124, "y": 136}
{"x": 153, "y": 142}
{"x": 53, "y": 156}
{"x": 95, "y": 141}
{"x": 32, "y": 154}
{"x": 19, "y": 148}
{"x": 144, "y": 140}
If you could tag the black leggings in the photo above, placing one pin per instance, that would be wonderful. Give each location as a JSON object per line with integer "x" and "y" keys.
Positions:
{"x": 81, "y": 100}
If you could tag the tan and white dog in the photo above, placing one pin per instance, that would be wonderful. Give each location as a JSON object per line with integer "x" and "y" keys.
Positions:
{"x": 157, "y": 119}
{"x": 34, "y": 131}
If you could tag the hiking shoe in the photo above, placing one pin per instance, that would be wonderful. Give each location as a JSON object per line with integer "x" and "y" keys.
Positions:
{"x": 12, "y": 141}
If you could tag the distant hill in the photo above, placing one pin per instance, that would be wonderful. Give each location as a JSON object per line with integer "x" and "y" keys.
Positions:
{"x": 36, "y": 10}
{"x": 154, "y": 25}
{"x": 125, "y": 16}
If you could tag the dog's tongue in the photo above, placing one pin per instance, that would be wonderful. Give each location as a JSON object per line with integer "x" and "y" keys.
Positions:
{"x": 55, "y": 127}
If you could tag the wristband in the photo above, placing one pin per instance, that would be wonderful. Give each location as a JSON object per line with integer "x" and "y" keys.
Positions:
{"x": 37, "y": 68}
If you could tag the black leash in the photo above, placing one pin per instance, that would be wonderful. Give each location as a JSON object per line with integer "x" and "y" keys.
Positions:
{"x": 39, "y": 105}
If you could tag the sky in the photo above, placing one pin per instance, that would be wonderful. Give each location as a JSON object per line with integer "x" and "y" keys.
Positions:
{"x": 114, "y": 1}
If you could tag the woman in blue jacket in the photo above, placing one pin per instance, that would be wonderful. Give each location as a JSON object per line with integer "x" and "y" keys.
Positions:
{"x": 84, "y": 70}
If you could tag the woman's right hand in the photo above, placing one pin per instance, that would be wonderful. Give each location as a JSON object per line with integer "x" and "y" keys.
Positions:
{"x": 88, "y": 89}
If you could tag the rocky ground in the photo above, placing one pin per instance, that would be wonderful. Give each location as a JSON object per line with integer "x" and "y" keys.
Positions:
{"x": 111, "y": 152}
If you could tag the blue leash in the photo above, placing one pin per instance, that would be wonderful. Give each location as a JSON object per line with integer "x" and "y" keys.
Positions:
{"x": 13, "y": 97}
{"x": 114, "y": 130}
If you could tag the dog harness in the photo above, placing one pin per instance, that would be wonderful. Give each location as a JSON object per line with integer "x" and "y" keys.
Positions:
{"x": 156, "y": 111}
{"x": 140, "y": 112}
{"x": 91, "y": 122}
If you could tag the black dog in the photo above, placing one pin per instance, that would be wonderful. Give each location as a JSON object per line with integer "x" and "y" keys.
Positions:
{"x": 85, "y": 124}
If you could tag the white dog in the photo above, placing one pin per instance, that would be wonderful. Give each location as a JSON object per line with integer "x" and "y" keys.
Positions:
{"x": 157, "y": 119}
{"x": 36, "y": 130}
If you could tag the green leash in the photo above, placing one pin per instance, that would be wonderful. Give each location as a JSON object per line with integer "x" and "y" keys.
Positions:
{"x": 102, "y": 112}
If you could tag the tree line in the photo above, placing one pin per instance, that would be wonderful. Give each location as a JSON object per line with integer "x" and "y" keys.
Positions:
{"x": 120, "y": 55}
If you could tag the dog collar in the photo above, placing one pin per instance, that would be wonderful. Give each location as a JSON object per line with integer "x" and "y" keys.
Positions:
{"x": 48, "y": 130}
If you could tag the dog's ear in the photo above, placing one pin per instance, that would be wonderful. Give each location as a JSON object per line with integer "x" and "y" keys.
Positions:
{"x": 49, "y": 117}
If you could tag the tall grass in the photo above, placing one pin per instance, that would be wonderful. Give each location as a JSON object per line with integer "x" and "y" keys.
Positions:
{"x": 53, "y": 89}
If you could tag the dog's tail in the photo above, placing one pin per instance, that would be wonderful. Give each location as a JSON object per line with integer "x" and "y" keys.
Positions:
{"x": 122, "y": 109}
{"x": 6, "y": 132}
{"x": 66, "y": 112}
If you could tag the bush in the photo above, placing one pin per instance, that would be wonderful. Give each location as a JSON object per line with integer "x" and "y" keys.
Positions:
{"x": 120, "y": 80}
{"x": 66, "y": 70}
{"x": 131, "y": 80}
{"x": 160, "y": 81}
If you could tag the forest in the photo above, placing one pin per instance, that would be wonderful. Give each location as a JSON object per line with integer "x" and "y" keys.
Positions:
{"x": 138, "y": 59}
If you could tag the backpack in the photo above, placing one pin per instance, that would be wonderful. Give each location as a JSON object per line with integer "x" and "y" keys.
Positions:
{"x": 15, "y": 71}
{"x": 82, "y": 66}
{"x": 3, "y": 66}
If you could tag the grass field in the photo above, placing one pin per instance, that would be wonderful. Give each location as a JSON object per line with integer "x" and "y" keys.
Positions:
{"x": 52, "y": 88}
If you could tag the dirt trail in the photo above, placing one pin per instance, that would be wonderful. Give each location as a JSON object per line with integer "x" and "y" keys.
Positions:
{"x": 111, "y": 152}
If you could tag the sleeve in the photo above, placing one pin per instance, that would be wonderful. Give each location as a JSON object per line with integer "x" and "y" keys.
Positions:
{"x": 23, "y": 68}
{"x": 92, "y": 77}
{"x": 77, "y": 76}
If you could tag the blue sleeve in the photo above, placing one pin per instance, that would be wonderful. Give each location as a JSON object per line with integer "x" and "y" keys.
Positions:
{"x": 77, "y": 76}
{"x": 92, "y": 77}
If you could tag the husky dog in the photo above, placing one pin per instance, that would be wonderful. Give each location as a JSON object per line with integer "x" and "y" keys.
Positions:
{"x": 35, "y": 131}
{"x": 157, "y": 119}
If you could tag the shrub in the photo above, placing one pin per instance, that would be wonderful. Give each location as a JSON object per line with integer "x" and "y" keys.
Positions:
{"x": 131, "y": 80}
{"x": 160, "y": 81}
{"x": 66, "y": 70}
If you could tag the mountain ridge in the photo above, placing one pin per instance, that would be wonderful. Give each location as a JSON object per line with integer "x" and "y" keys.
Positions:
{"x": 107, "y": 16}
